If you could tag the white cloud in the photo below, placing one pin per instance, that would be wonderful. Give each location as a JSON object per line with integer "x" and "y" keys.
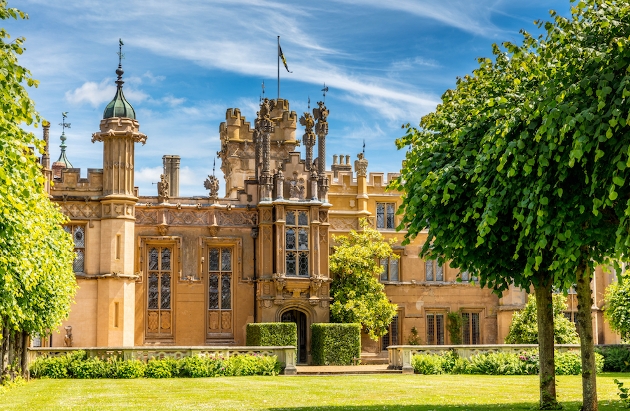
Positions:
{"x": 147, "y": 175}
{"x": 97, "y": 94}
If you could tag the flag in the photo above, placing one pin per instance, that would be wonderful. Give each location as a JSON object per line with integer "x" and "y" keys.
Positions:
{"x": 284, "y": 61}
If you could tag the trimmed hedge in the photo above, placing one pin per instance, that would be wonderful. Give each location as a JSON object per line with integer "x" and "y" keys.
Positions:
{"x": 271, "y": 334}
{"x": 335, "y": 344}
{"x": 78, "y": 365}
{"x": 498, "y": 363}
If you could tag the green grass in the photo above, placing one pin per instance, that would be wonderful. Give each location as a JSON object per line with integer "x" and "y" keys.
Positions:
{"x": 337, "y": 393}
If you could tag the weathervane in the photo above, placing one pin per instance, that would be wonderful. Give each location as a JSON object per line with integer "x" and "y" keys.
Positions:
{"x": 364, "y": 147}
{"x": 63, "y": 123}
{"x": 263, "y": 91}
{"x": 325, "y": 90}
{"x": 309, "y": 103}
{"x": 120, "y": 53}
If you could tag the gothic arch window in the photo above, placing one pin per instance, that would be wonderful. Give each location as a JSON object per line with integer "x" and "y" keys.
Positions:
{"x": 296, "y": 236}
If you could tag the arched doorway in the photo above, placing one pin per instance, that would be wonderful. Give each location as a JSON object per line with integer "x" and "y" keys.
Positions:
{"x": 299, "y": 318}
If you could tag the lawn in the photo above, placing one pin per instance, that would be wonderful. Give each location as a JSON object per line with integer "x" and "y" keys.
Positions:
{"x": 337, "y": 393}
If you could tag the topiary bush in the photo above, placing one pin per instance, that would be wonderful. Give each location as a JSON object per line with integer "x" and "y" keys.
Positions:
{"x": 335, "y": 344}
{"x": 271, "y": 334}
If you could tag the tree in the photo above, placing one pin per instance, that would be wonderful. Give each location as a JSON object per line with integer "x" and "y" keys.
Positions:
{"x": 524, "y": 326}
{"x": 520, "y": 174}
{"x": 37, "y": 283}
{"x": 358, "y": 296}
{"x": 617, "y": 309}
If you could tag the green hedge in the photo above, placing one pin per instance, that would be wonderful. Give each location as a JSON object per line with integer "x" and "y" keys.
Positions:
{"x": 272, "y": 334}
{"x": 335, "y": 344}
{"x": 78, "y": 365}
{"x": 498, "y": 363}
{"x": 616, "y": 357}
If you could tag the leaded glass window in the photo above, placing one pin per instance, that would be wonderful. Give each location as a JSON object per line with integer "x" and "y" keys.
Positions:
{"x": 159, "y": 291}
{"x": 78, "y": 237}
{"x": 296, "y": 237}
{"x": 433, "y": 271}
{"x": 391, "y": 338}
{"x": 385, "y": 213}
{"x": 435, "y": 329}
{"x": 390, "y": 269}
{"x": 220, "y": 274}
{"x": 470, "y": 328}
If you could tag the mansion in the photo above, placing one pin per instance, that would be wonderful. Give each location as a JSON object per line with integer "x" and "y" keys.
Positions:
{"x": 194, "y": 271}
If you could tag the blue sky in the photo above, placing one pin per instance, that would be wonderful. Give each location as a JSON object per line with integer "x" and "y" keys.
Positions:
{"x": 385, "y": 62}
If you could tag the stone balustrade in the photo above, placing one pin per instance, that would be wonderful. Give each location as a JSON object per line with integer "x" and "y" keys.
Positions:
{"x": 286, "y": 354}
{"x": 400, "y": 355}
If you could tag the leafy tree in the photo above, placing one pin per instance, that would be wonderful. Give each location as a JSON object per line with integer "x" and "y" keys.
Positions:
{"x": 357, "y": 294}
{"x": 36, "y": 279}
{"x": 521, "y": 171}
{"x": 524, "y": 326}
{"x": 617, "y": 309}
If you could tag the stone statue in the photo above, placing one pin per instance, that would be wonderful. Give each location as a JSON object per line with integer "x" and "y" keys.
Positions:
{"x": 360, "y": 165}
{"x": 212, "y": 184}
{"x": 67, "y": 339}
{"x": 308, "y": 122}
{"x": 162, "y": 187}
{"x": 321, "y": 113}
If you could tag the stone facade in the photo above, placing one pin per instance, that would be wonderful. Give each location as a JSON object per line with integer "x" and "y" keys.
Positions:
{"x": 170, "y": 270}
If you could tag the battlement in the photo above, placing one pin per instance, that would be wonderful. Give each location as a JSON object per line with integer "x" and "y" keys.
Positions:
{"x": 347, "y": 178}
{"x": 237, "y": 128}
{"x": 71, "y": 182}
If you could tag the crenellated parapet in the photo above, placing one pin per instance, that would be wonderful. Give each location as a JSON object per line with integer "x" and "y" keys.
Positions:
{"x": 71, "y": 183}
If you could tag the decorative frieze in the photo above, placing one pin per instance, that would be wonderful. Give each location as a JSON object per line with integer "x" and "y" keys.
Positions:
{"x": 113, "y": 210}
{"x": 344, "y": 223}
{"x": 146, "y": 217}
{"x": 81, "y": 210}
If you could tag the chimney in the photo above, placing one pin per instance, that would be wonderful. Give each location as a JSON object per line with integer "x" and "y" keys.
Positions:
{"x": 341, "y": 166}
{"x": 171, "y": 172}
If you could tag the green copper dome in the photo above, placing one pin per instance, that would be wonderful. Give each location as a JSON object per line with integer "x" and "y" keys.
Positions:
{"x": 119, "y": 106}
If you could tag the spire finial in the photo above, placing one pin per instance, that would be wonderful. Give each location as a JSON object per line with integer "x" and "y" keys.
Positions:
{"x": 119, "y": 70}
{"x": 325, "y": 90}
{"x": 309, "y": 103}
{"x": 62, "y": 156}
{"x": 364, "y": 147}
{"x": 214, "y": 163}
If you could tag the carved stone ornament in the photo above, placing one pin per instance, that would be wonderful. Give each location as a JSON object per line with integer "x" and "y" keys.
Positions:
{"x": 296, "y": 188}
{"x": 162, "y": 188}
{"x": 361, "y": 165}
{"x": 162, "y": 229}
{"x": 213, "y": 230}
{"x": 212, "y": 184}
{"x": 280, "y": 282}
{"x": 67, "y": 339}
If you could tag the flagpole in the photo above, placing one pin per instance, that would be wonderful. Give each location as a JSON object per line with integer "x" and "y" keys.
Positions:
{"x": 278, "y": 51}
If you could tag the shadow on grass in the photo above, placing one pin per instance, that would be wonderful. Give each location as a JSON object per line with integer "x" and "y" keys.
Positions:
{"x": 528, "y": 406}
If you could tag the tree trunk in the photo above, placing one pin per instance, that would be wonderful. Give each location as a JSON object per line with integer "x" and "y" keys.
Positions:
{"x": 25, "y": 344}
{"x": 544, "y": 307}
{"x": 4, "y": 351}
{"x": 585, "y": 302}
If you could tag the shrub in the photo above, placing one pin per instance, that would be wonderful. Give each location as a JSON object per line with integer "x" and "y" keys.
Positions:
{"x": 125, "y": 369}
{"x": 499, "y": 363}
{"x": 616, "y": 358}
{"x": 272, "y": 334}
{"x": 427, "y": 364}
{"x": 570, "y": 363}
{"x": 454, "y": 326}
{"x": 197, "y": 367}
{"x": 89, "y": 368}
{"x": 335, "y": 344}
{"x": 162, "y": 368}
{"x": 239, "y": 365}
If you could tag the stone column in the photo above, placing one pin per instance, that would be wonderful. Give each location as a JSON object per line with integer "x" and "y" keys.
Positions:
{"x": 321, "y": 115}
